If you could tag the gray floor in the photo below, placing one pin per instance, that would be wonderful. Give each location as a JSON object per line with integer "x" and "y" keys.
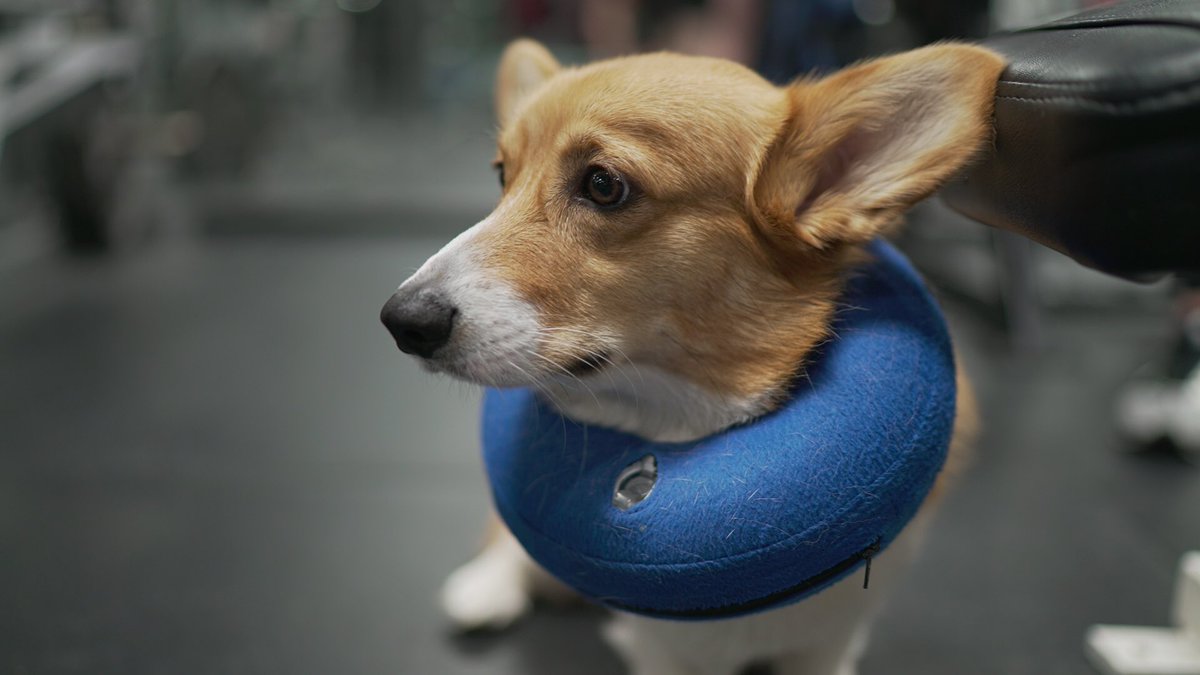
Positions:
{"x": 213, "y": 460}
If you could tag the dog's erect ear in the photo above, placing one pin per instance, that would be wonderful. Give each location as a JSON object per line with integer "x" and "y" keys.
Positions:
{"x": 524, "y": 66}
{"x": 861, "y": 146}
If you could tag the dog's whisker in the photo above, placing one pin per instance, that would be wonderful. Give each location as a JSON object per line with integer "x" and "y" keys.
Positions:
{"x": 605, "y": 356}
{"x": 571, "y": 375}
{"x": 592, "y": 352}
{"x": 536, "y": 384}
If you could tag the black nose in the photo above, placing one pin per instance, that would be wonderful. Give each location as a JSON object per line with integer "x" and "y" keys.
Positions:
{"x": 420, "y": 321}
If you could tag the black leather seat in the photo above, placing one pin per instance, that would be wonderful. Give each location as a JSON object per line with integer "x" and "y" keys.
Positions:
{"x": 1097, "y": 147}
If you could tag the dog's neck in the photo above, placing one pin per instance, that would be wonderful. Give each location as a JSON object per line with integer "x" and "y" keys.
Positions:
{"x": 650, "y": 402}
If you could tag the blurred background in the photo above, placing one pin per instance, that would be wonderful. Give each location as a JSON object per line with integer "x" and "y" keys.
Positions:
{"x": 214, "y": 460}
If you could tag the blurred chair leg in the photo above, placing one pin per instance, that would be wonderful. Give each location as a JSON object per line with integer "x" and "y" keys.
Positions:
{"x": 1014, "y": 255}
{"x": 1132, "y": 650}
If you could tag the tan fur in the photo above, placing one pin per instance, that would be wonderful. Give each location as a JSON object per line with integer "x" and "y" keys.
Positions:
{"x": 862, "y": 146}
{"x": 726, "y": 267}
{"x": 526, "y": 65}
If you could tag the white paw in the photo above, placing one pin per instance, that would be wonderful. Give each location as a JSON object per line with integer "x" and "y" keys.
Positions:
{"x": 1185, "y": 429}
{"x": 1144, "y": 411}
{"x": 488, "y": 592}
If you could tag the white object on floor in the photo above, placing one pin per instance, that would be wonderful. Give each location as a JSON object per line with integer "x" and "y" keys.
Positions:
{"x": 1130, "y": 650}
{"x": 1152, "y": 410}
{"x": 1186, "y": 427}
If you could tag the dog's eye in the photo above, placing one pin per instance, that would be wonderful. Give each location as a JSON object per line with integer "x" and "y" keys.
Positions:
{"x": 604, "y": 187}
{"x": 500, "y": 173}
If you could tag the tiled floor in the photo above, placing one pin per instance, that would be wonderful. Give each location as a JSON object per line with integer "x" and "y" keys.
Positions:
{"x": 213, "y": 460}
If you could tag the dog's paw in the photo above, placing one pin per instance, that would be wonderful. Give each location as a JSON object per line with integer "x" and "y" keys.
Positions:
{"x": 490, "y": 592}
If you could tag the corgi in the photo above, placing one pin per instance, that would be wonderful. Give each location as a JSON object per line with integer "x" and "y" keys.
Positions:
{"x": 670, "y": 244}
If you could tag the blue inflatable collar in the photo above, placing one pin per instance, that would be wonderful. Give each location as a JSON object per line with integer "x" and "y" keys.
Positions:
{"x": 759, "y": 515}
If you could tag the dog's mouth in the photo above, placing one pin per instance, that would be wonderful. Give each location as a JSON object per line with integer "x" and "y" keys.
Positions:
{"x": 588, "y": 364}
{"x": 482, "y": 371}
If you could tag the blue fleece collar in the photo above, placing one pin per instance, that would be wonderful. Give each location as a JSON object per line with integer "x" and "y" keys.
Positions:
{"x": 759, "y": 515}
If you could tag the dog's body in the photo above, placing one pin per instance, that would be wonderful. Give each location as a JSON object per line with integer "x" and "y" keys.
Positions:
{"x": 671, "y": 243}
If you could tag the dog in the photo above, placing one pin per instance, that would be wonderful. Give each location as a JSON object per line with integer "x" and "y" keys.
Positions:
{"x": 670, "y": 244}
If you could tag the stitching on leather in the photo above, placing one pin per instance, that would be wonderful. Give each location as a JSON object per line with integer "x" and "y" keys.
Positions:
{"x": 1152, "y": 10}
{"x": 1094, "y": 86}
{"x": 1140, "y": 105}
{"x": 1112, "y": 20}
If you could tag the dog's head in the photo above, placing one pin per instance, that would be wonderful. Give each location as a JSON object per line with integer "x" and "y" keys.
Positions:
{"x": 683, "y": 214}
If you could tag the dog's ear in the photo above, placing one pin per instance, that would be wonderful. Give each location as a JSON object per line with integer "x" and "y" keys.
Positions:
{"x": 524, "y": 66}
{"x": 861, "y": 146}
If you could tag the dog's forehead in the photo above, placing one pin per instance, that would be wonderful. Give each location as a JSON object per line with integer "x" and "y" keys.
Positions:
{"x": 664, "y": 97}
{"x": 657, "y": 79}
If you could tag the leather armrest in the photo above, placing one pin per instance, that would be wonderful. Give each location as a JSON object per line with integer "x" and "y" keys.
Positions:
{"x": 1097, "y": 145}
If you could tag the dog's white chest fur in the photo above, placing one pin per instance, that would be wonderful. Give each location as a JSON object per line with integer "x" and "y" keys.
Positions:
{"x": 648, "y": 402}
